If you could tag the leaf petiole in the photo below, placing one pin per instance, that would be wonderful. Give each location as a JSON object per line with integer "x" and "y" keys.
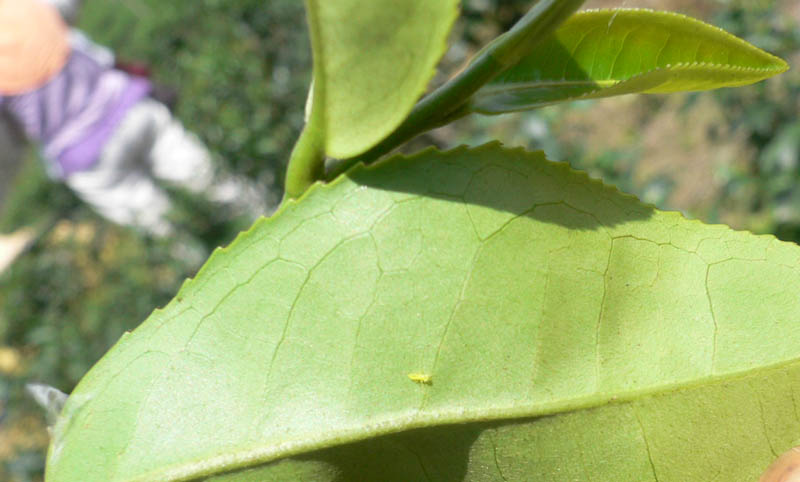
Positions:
{"x": 444, "y": 105}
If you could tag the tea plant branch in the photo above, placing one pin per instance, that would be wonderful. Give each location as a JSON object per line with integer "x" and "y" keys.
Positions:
{"x": 446, "y": 103}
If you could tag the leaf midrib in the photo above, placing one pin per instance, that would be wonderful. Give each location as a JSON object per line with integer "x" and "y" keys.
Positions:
{"x": 511, "y": 86}
{"x": 516, "y": 86}
{"x": 398, "y": 423}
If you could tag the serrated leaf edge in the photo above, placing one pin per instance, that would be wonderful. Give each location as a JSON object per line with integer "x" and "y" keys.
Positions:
{"x": 492, "y": 90}
{"x": 409, "y": 420}
{"x": 741, "y": 41}
{"x": 442, "y": 50}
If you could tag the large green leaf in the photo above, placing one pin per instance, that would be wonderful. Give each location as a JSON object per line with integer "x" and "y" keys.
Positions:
{"x": 569, "y": 333}
{"x": 602, "y": 53}
{"x": 372, "y": 62}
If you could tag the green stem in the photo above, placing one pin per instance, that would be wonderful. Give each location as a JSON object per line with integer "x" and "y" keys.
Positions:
{"x": 307, "y": 162}
{"x": 425, "y": 115}
{"x": 447, "y": 103}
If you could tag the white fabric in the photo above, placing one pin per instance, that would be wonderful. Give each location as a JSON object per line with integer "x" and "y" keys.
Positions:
{"x": 149, "y": 144}
{"x": 100, "y": 54}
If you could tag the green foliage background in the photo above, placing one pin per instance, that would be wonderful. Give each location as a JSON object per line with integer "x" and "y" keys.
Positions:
{"x": 241, "y": 68}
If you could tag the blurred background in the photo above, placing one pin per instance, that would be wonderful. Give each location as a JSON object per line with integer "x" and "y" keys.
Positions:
{"x": 241, "y": 69}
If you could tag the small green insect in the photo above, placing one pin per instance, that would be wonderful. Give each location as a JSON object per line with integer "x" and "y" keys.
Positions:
{"x": 421, "y": 378}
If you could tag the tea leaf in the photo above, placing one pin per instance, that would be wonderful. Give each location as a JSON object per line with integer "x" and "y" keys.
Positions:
{"x": 563, "y": 328}
{"x": 372, "y": 62}
{"x": 603, "y": 53}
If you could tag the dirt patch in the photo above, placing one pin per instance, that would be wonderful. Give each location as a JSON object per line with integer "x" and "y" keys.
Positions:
{"x": 688, "y": 143}
{"x": 693, "y": 146}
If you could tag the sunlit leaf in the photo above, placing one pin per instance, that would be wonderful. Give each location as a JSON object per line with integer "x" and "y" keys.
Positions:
{"x": 372, "y": 62}
{"x": 602, "y": 53}
{"x": 477, "y": 314}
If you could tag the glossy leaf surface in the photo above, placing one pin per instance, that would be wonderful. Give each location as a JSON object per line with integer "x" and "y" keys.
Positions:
{"x": 566, "y": 329}
{"x": 603, "y": 53}
{"x": 372, "y": 62}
